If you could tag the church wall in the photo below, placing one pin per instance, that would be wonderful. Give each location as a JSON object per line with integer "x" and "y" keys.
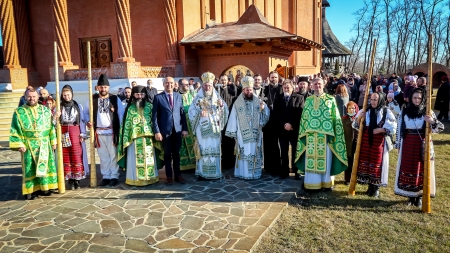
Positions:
{"x": 41, "y": 32}
{"x": 212, "y": 60}
{"x": 232, "y": 13}
{"x": 148, "y": 31}
{"x": 91, "y": 19}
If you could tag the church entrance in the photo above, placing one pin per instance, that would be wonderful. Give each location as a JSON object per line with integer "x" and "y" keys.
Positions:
{"x": 237, "y": 72}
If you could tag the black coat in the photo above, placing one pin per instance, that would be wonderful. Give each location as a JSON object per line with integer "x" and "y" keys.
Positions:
{"x": 443, "y": 97}
{"x": 288, "y": 112}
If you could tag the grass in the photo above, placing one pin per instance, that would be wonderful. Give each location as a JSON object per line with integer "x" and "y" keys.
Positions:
{"x": 336, "y": 222}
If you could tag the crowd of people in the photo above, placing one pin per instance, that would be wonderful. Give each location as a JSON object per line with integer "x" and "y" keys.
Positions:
{"x": 217, "y": 125}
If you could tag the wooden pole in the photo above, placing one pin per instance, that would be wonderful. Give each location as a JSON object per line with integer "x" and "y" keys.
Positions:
{"x": 93, "y": 169}
{"x": 426, "y": 203}
{"x": 351, "y": 189}
{"x": 59, "y": 154}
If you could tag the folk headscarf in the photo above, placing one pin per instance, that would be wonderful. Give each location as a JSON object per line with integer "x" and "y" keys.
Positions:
{"x": 416, "y": 111}
{"x": 69, "y": 105}
{"x": 373, "y": 114}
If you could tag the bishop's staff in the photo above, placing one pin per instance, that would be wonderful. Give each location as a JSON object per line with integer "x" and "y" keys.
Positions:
{"x": 93, "y": 169}
{"x": 59, "y": 152}
{"x": 426, "y": 207}
{"x": 351, "y": 189}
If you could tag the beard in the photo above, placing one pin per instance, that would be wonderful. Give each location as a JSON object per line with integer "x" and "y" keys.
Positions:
{"x": 208, "y": 93}
{"x": 30, "y": 103}
{"x": 248, "y": 96}
{"x": 140, "y": 103}
{"x": 302, "y": 90}
{"x": 103, "y": 93}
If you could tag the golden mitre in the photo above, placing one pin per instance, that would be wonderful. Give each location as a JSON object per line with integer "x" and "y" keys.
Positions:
{"x": 208, "y": 77}
{"x": 247, "y": 82}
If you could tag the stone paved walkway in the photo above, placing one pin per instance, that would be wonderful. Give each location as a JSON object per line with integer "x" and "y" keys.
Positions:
{"x": 227, "y": 215}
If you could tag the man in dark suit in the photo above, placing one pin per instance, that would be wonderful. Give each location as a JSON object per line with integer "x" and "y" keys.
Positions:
{"x": 287, "y": 111}
{"x": 169, "y": 125}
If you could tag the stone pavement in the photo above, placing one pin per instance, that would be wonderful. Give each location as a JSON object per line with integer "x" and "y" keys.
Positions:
{"x": 227, "y": 215}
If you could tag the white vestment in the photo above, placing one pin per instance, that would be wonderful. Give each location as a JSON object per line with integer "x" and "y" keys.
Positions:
{"x": 208, "y": 132}
{"x": 245, "y": 124}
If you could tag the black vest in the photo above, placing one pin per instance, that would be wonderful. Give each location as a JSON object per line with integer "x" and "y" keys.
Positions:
{"x": 113, "y": 114}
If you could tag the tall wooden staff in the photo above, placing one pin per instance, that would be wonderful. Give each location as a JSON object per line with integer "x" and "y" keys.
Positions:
{"x": 426, "y": 207}
{"x": 60, "y": 169}
{"x": 93, "y": 179}
{"x": 351, "y": 189}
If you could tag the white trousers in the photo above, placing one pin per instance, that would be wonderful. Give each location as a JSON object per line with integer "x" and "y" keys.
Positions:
{"x": 108, "y": 157}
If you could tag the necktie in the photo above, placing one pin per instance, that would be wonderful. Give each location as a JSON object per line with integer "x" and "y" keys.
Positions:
{"x": 170, "y": 101}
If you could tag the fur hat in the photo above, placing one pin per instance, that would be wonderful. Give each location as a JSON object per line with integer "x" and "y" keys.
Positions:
{"x": 102, "y": 81}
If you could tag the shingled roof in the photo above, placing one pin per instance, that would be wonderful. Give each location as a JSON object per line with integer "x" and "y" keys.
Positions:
{"x": 333, "y": 46}
{"x": 252, "y": 26}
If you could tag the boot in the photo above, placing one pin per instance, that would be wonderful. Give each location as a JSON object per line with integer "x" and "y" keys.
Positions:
{"x": 411, "y": 201}
{"x": 76, "y": 184}
{"x": 418, "y": 202}
{"x": 71, "y": 184}
{"x": 375, "y": 191}
{"x": 369, "y": 190}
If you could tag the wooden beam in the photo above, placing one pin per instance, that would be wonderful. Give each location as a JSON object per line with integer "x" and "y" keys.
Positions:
{"x": 224, "y": 10}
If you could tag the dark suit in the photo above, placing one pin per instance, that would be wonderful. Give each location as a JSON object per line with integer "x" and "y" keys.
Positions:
{"x": 169, "y": 122}
{"x": 289, "y": 111}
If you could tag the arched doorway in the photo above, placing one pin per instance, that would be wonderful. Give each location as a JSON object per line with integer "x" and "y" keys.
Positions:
{"x": 437, "y": 78}
{"x": 419, "y": 74}
{"x": 237, "y": 72}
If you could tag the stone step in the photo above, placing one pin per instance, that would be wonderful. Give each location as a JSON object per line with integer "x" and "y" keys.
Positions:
{"x": 4, "y": 133}
{"x": 12, "y": 100}
{"x": 11, "y": 94}
{"x": 9, "y": 102}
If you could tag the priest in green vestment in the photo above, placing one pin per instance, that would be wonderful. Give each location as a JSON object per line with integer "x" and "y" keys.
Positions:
{"x": 135, "y": 149}
{"x": 33, "y": 134}
{"x": 321, "y": 151}
{"x": 187, "y": 155}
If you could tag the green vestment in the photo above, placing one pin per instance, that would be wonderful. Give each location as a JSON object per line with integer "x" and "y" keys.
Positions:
{"x": 187, "y": 155}
{"x": 321, "y": 126}
{"x": 137, "y": 130}
{"x": 32, "y": 128}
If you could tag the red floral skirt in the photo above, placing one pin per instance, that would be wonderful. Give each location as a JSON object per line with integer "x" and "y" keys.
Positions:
{"x": 370, "y": 159}
{"x": 410, "y": 176}
{"x": 73, "y": 156}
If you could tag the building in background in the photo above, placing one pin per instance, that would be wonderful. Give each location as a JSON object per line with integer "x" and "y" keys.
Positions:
{"x": 156, "y": 38}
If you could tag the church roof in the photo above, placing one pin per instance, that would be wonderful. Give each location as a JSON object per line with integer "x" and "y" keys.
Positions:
{"x": 252, "y": 26}
{"x": 333, "y": 46}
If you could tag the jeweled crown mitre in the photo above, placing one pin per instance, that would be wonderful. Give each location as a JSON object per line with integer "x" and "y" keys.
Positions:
{"x": 208, "y": 77}
{"x": 247, "y": 82}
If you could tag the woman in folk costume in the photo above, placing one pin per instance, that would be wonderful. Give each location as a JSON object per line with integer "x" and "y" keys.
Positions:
{"x": 73, "y": 131}
{"x": 136, "y": 151}
{"x": 208, "y": 114}
{"x": 380, "y": 125}
{"x": 411, "y": 134}
{"x": 351, "y": 136}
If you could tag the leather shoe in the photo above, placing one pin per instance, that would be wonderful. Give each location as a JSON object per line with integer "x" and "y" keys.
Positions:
{"x": 169, "y": 181}
{"x": 76, "y": 184}
{"x": 105, "y": 182}
{"x": 113, "y": 182}
{"x": 369, "y": 190}
{"x": 411, "y": 201}
{"x": 71, "y": 184}
{"x": 297, "y": 176}
{"x": 180, "y": 180}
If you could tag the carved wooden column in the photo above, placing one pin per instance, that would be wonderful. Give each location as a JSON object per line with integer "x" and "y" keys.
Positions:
{"x": 12, "y": 72}
{"x": 61, "y": 31}
{"x": 170, "y": 18}
{"x": 124, "y": 30}
{"x": 23, "y": 34}
{"x": 10, "y": 49}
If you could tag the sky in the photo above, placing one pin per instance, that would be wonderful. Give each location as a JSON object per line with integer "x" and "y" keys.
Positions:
{"x": 341, "y": 19}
